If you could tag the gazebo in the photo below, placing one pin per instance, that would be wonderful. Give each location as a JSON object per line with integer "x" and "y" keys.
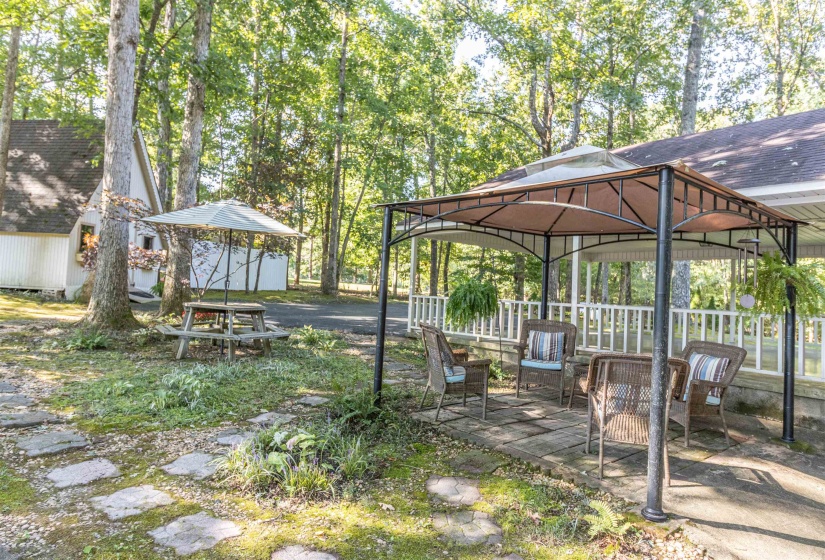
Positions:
{"x": 598, "y": 199}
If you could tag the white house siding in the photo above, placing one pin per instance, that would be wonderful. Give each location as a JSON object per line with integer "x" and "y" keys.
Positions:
{"x": 273, "y": 270}
{"x": 33, "y": 261}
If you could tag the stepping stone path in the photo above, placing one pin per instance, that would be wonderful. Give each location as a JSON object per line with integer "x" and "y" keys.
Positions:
{"x": 392, "y": 382}
{"x": 195, "y": 464}
{"x": 26, "y": 419}
{"x": 298, "y": 552}
{"x": 192, "y": 533}
{"x": 6, "y": 387}
{"x": 233, "y": 437}
{"x": 131, "y": 501}
{"x": 83, "y": 473}
{"x": 51, "y": 442}
{"x": 396, "y": 366}
{"x": 5, "y": 554}
{"x": 268, "y": 419}
{"x": 468, "y": 527}
{"x": 476, "y": 462}
{"x": 14, "y": 400}
{"x": 312, "y": 400}
{"x": 454, "y": 490}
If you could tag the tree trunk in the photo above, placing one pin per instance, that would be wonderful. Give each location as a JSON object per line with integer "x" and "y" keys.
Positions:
{"x": 261, "y": 257}
{"x": 299, "y": 242}
{"x": 603, "y": 273}
{"x": 690, "y": 91}
{"x": 250, "y": 243}
{"x": 175, "y": 288}
{"x": 625, "y": 291}
{"x": 680, "y": 297}
{"x": 7, "y": 109}
{"x": 431, "y": 167}
{"x": 329, "y": 278}
{"x": 142, "y": 66}
{"x": 554, "y": 271}
{"x": 109, "y": 305}
{"x": 518, "y": 275}
{"x": 164, "y": 159}
{"x": 445, "y": 272}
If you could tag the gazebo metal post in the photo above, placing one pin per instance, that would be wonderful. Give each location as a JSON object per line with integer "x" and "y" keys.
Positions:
{"x": 790, "y": 345}
{"x": 382, "y": 304}
{"x": 661, "y": 332}
{"x": 545, "y": 277}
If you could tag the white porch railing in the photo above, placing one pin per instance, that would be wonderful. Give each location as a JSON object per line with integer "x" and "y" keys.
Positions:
{"x": 623, "y": 328}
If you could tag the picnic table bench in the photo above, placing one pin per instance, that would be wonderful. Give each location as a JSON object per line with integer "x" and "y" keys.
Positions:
{"x": 256, "y": 329}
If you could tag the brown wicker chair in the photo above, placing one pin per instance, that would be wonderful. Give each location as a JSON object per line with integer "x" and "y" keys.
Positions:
{"x": 700, "y": 402}
{"x": 440, "y": 357}
{"x": 619, "y": 389}
{"x": 551, "y": 375}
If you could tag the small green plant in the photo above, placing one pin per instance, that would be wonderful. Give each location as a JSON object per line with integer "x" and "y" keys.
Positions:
{"x": 311, "y": 338}
{"x": 356, "y": 411}
{"x": 88, "y": 339}
{"x": 157, "y": 289}
{"x": 774, "y": 275}
{"x": 119, "y": 388}
{"x": 351, "y": 456}
{"x": 143, "y": 337}
{"x": 606, "y": 521}
{"x": 178, "y": 389}
{"x": 472, "y": 300}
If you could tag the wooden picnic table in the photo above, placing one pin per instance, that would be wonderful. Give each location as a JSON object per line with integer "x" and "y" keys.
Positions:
{"x": 226, "y": 327}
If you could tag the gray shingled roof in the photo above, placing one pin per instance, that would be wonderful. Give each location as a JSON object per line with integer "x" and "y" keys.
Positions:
{"x": 52, "y": 173}
{"x": 789, "y": 149}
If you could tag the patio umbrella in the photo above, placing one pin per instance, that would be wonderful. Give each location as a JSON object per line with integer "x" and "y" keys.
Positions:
{"x": 231, "y": 215}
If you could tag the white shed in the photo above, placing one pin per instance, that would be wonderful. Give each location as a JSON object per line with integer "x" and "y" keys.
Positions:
{"x": 53, "y": 187}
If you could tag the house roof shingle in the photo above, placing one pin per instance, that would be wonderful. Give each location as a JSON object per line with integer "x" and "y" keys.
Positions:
{"x": 52, "y": 173}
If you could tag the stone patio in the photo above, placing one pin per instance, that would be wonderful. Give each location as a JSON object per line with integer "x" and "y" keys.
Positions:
{"x": 757, "y": 499}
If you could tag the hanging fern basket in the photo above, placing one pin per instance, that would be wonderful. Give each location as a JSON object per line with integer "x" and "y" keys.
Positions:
{"x": 775, "y": 275}
{"x": 470, "y": 301}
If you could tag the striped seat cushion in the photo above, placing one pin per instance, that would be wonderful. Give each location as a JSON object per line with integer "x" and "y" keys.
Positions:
{"x": 707, "y": 368}
{"x": 545, "y": 346}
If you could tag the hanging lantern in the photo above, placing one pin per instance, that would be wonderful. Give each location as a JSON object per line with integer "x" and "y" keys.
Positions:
{"x": 746, "y": 267}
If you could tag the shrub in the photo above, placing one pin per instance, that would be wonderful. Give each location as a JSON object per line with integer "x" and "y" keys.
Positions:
{"x": 88, "y": 339}
{"x": 311, "y": 338}
{"x": 178, "y": 389}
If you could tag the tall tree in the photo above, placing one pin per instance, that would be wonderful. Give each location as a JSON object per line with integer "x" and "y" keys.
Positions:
{"x": 164, "y": 158}
{"x": 7, "y": 108}
{"x": 109, "y": 305}
{"x": 175, "y": 288}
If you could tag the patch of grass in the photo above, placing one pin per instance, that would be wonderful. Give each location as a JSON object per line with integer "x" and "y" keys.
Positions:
{"x": 15, "y": 492}
{"x": 21, "y": 306}
{"x": 798, "y": 446}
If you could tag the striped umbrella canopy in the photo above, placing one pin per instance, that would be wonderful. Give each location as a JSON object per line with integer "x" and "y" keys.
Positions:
{"x": 232, "y": 215}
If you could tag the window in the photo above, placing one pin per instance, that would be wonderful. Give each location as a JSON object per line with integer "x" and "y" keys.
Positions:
{"x": 85, "y": 231}
{"x": 148, "y": 242}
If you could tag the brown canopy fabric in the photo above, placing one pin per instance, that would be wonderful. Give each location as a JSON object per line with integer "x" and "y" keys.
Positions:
{"x": 623, "y": 202}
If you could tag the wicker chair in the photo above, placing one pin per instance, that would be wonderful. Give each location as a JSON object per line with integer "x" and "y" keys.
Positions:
{"x": 548, "y": 374}
{"x": 469, "y": 376}
{"x": 619, "y": 399}
{"x": 700, "y": 402}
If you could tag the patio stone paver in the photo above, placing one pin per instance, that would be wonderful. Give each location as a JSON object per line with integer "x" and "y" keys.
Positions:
{"x": 454, "y": 490}
{"x": 195, "y": 464}
{"x": 476, "y": 462}
{"x": 233, "y": 437}
{"x": 14, "y": 400}
{"x": 392, "y": 382}
{"x": 269, "y": 419}
{"x": 26, "y": 419}
{"x": 312, "y": 400}
{"x": 546, "y": 443}
{"x": 6, "y": 387}
{"x": 467, "y": 527}
{"x": 298, "y": 552}
{"x": 83, "y": 473}
{"x": 131, "y": 501}
{"x": 51, "y": 442}
{"x": 192, "y": 533}
{"x": 428, "y": 415}
{"x": 397, "y": 366}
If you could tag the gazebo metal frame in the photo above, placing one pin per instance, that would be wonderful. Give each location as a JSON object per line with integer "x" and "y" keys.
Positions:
{"x": 619, "y": 208}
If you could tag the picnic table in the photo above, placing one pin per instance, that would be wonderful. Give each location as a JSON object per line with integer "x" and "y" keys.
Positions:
{"x": 234, "y": 323}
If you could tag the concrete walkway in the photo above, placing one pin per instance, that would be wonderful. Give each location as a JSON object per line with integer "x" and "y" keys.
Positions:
{"x": 754, "y": 501}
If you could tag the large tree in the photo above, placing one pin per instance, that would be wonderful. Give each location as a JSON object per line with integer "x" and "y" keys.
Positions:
{"x": 7, "y": 107}
{"x": 109, "y": 304}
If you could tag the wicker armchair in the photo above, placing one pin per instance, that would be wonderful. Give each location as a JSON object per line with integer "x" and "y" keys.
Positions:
{"x": 547, "y": 374}
{"x": 619, "y": 399}
{"x": 705, "y": 398}
{"x": 468, "y": 376}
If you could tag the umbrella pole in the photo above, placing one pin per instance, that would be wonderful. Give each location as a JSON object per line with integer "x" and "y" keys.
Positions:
{"x": 226, "y": 283}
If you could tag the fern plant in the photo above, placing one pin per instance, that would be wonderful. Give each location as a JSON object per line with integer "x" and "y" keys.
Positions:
{"x": 773, "y": 277}
{"x": 606, "y": 521}
{"x": 470, "y": 301}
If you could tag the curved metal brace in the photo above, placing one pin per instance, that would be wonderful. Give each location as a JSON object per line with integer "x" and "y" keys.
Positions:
{"x": 757, "y": 224}
{"x": 408, "y": 234}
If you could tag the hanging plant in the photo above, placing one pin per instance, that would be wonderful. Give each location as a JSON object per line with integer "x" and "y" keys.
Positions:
{"x": 471, "y": 300}
{"x": 774, "y": 275}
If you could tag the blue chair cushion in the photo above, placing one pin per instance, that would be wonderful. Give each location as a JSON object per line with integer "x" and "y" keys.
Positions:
{"x": 541, "y": 364}
{"x": 456, "y": 375}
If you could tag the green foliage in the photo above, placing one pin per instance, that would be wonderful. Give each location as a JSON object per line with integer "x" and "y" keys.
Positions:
{"x": 88, "y": 339}
{"x": 179, "y": 389}
{"x": 470, "y": 301}
{"x": 157, "y": 289}
{"x": 773, "y": 277}
{"x": 312, "y": 338}
{"x": 606, "y": 521}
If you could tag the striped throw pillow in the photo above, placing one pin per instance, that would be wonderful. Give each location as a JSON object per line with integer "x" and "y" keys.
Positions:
{"x": 544, "y": 346}
{"x": 707, "y": 368}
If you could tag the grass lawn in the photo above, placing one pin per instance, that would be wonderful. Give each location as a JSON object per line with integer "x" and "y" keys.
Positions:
{"x": 355, "y": 482}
